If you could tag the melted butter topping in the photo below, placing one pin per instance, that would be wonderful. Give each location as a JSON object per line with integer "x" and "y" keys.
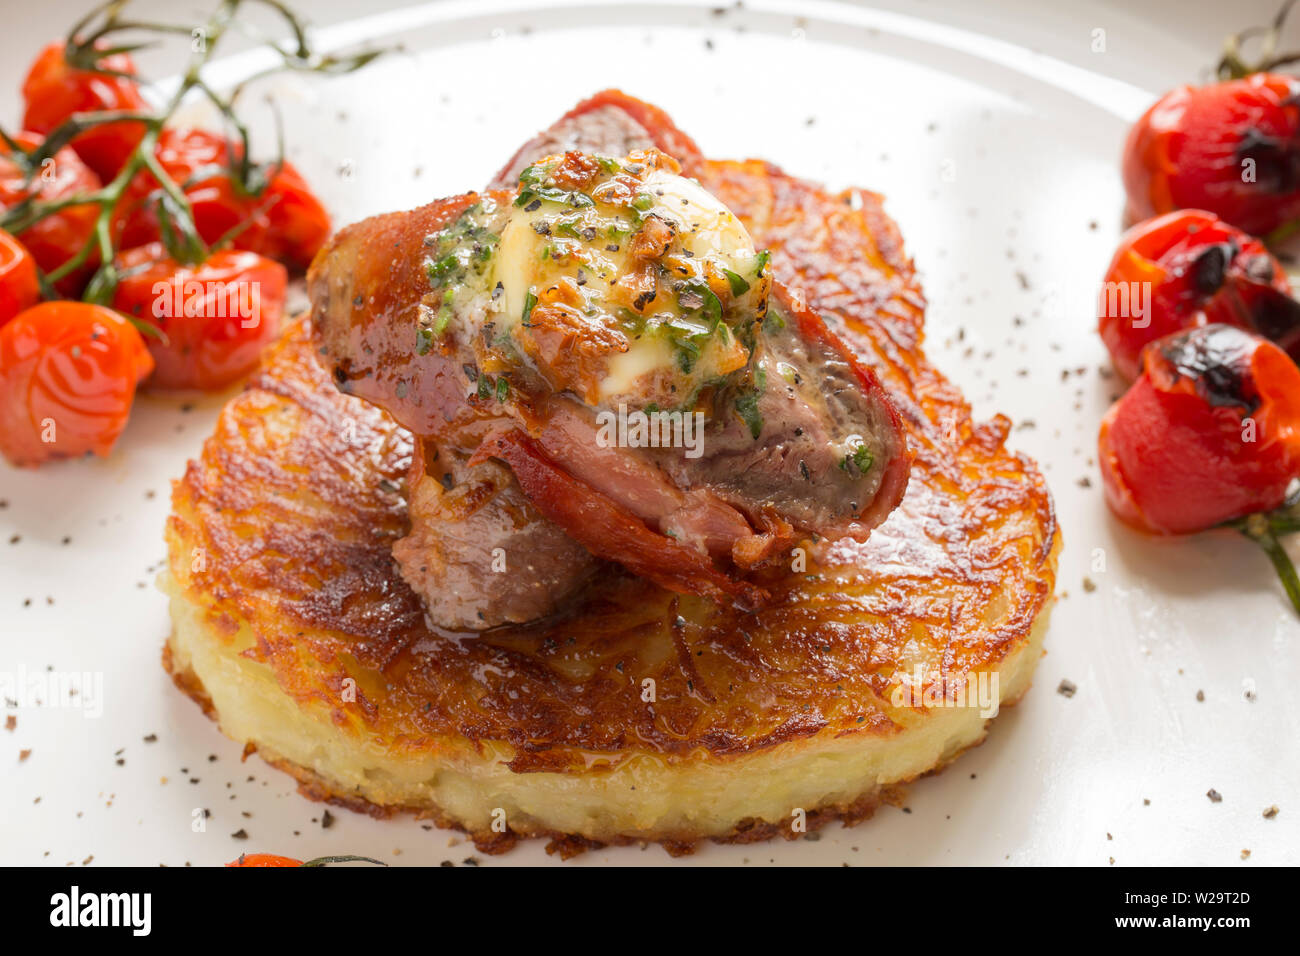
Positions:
{"x": 619, "y": 281}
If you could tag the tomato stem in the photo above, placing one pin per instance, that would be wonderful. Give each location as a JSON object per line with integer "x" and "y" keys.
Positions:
{"x": 1266, "y": 529}
{"x": 183, "y": 242}
{"x": 1282, "y": 233}
{"x": 324, "y": 860}
{"x": 1233, "y": 66}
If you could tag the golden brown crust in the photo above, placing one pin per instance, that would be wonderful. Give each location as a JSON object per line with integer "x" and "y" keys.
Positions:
{"x": 296, "y": 500}
{"x": 284, "y": 526}
{"x": 846, "y": 256}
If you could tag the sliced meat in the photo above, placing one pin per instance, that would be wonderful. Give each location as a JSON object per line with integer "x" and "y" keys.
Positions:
{"x": 828, "y": 459}
{"x": 805, "y": 442}
{"x": 610, "y": 123}
{"x": 367, "y": 288}
{"x": 610, "y": 531}
{"x": 479, "y": 552}
{"x": 829, "y": 456}
{"x": 798, "y": 462}
{"x": 635, "y": 480}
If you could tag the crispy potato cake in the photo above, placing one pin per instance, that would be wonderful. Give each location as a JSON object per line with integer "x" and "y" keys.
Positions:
{"x": 636, "y": 714}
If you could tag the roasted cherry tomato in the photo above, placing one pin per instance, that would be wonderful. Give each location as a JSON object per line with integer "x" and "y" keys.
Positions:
{"x": 60, "y": 236}
{"x": 1232, "y": 148}
{"x": 285, "y": 222}
{"x": 68, "y": 372}
{"x": 54, "y": 91}
{"x": 264, "y": 860}
{"x": 270, "y": 860}
{"x": 1210, "y": 432}
{"x": 215, "y": 316}
{"x": 18, "y": 287}
{"x": 1187, "y": 269}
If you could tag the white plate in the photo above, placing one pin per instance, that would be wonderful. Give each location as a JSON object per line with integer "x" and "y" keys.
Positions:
{"x": 997, "y": 149}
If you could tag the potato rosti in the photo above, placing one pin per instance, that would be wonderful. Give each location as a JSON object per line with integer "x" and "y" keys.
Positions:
{"x": 634, "y": 714}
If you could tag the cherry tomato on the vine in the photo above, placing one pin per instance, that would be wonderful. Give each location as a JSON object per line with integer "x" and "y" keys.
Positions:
{"x": 1188, "y": 269}
{"x": 285, "y": 222}
{"x": 18, "y": 287}
{"x": 1232, "y": 148}
{"x": 55, "y": 90}
{"x": 264, "y": 860}
{"x": 68, "y": 373}
{"x": 60, "y": 236}
{"x": 1209, "y": 432}
{"x": 215, "y": 316}
{"x": 271, "y": 860}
